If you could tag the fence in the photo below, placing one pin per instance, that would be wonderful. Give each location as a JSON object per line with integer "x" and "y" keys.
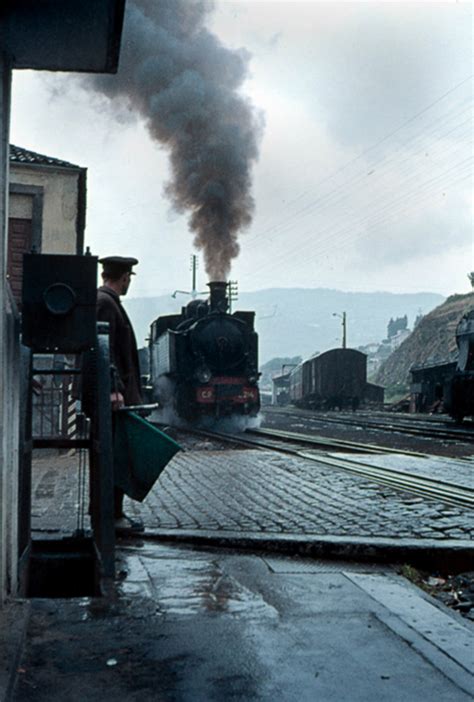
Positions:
{"x": 54, "y": 402}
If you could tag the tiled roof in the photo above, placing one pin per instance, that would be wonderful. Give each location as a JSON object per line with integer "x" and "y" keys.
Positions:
{"x": 19, "y": 155}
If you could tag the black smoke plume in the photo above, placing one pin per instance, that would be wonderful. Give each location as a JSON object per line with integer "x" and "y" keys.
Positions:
{"x": 179, "y": 77}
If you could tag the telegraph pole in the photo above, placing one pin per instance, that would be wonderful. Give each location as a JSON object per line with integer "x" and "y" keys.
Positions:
{"x": 193, "y": 292}
{"x": 194, "y": 268}
{"x": 343, "y": 316}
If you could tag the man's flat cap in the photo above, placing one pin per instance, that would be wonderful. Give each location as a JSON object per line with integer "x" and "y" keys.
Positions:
{"x": 116, "y": 265}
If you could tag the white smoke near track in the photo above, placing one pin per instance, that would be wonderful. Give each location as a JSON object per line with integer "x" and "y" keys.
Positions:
{"x": 230, "y": 425}
{"x": 185, "y": 84}
{"x": 164, "y": 391}
{"x": 236, "y": 424}
{"x": 168, "y": 416}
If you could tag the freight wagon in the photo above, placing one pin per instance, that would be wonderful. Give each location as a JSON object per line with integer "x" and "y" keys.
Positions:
{"x": 334, "y": 379}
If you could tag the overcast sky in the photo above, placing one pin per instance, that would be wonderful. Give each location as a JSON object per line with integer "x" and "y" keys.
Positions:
{"x": 364, "y": 180}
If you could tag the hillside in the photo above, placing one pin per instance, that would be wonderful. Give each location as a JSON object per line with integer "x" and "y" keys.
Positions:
{"x": 433, "y": 341}
{"x": 299, "y": 321}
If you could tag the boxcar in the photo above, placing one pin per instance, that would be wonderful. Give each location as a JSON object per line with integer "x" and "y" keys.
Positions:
{"x": 334, "y": 379}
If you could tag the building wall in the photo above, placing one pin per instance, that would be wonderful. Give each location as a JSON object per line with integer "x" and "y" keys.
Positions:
{"x": 98, "y": 26}
{"x": 60, "y": 214}
{"x": 9, "y": 368}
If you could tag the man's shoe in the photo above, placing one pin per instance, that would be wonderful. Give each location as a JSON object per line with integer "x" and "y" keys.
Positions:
{"x": 127, "y": 525}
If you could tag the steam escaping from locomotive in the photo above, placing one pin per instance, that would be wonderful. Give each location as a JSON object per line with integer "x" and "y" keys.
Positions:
{"x": 232, "y": 425}
{"x": 185, "y": 84}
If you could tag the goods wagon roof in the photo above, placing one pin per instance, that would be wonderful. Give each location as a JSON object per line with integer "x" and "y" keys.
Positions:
{"x": 341, "y": 352}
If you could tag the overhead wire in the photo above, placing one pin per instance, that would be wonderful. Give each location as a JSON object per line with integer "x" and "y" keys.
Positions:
{"x": 387, "y": 205}
{"x": 402, "y": 195}
{"x": 332, "y": 242}
{"x": 291, "y": 216}
{"x": 368, "y": 184}
{"x": 380, "y": 201}
{"x": 399, "y": 128}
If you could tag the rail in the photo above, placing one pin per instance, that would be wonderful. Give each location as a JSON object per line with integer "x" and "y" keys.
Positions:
{"x": 326, "y": 442}
{"x": 430, "y": 488}
{"x": 425, "y": 428}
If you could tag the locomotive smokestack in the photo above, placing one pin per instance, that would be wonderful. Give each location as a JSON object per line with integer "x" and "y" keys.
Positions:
{"x": 218, "y": 296}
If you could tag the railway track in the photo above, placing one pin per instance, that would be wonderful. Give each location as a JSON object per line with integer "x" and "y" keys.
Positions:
{"x": 323, "y": 442}
{"x": 432, "y": 488}
{"x": 425, "y": 429}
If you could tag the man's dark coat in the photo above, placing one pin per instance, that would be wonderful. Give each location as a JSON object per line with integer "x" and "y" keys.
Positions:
{"x": 123, "y": 346}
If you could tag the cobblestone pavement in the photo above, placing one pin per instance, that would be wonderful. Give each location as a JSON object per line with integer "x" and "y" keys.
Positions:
{"x": 260, "y": 492}
{"x": 55, "y": 495}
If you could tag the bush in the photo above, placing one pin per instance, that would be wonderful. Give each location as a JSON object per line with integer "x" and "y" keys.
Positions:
{"x": 396, "y": 392}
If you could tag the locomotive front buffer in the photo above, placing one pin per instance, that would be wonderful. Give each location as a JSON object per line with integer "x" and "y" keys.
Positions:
{"x": 65, "y": 358}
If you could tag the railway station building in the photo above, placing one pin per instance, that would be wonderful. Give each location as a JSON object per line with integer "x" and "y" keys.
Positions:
{"x": 73, "y": 35}
{"x": 46, "y": 209}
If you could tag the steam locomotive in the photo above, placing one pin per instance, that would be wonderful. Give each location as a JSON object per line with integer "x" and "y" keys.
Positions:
{"x": 204, "y": 361}
{"x": 460, "y": 393}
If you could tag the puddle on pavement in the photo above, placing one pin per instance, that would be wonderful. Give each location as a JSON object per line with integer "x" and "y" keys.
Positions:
{"x": 185, "y": 584}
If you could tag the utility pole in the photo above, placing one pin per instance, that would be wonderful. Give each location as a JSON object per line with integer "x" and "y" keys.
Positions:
{"x": 193, "y": 269}
{"x": 193, "y": 292}
{"x": 344, "y": 325}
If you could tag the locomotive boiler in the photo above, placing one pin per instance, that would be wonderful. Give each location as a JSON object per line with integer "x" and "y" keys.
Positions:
{"x": 204, "y": 361}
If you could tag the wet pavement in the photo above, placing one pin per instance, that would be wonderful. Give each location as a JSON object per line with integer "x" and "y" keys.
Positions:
{"x": 200, "y": 623}
{"x": 188, "y": 624}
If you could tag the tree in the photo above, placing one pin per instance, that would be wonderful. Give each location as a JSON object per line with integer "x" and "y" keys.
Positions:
{"x": 396, "y": 325}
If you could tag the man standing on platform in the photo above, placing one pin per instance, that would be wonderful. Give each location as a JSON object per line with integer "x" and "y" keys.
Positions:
{"x": 116, "y": 275}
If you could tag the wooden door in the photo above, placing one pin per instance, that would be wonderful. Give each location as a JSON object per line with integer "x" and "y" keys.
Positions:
{"x": 19, "y": 242}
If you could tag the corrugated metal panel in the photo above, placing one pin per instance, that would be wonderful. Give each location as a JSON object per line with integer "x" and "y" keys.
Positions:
{"x": 164, "y": 360}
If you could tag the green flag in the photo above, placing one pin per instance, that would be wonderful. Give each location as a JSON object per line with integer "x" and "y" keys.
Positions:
{"x": 141, "y": 452}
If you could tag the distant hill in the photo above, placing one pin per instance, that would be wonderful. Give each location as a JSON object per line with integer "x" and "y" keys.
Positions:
{"x": 300, "y": 321}
{"x": 433, "y": 341}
